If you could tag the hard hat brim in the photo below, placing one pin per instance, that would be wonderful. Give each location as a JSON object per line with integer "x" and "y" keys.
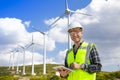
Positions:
{"x": 71, "y": 29}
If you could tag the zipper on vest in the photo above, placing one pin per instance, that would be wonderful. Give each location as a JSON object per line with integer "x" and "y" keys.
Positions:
{"x": 75, "y": 50}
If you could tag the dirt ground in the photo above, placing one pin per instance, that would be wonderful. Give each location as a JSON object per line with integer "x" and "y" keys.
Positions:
{"x": 21, "y": 77}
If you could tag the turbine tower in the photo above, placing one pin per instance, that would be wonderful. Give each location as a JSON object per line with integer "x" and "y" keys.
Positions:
{"x": 17, "y": 70}
{"x": 31, "y": 44}
{"x": 13, "y": 63}
{"x": 24, "y": 48}
{"x": 44, "y": 55}
{"x": 10, "y": 60}
{"x": 67, "y": 13}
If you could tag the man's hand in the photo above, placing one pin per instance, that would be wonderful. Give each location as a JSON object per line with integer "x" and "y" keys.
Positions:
{"x": 63, "y": 72}
{"x": 75, "y": 65}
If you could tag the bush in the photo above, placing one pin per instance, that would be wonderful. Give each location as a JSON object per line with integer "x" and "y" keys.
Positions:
{"x": 4, "y": 71}
{"x": 8, "y": 78}
{"x": 55, "y": 77}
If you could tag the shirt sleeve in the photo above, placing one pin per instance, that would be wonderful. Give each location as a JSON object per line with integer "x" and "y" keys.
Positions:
{"x": 95, "y": 65}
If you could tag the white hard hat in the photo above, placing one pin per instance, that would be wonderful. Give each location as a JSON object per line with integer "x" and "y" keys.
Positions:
{"x": 75, "y": 25}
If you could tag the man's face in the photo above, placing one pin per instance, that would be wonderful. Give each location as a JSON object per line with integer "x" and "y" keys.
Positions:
{"x": 76, "y": 35}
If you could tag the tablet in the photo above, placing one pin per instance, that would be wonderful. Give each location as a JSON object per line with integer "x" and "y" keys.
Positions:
{"x": 62, "y": 67}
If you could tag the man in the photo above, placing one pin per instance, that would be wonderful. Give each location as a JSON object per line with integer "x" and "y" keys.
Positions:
{"x": 82, "y": 58}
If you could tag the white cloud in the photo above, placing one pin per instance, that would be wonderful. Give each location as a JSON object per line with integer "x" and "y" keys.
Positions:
{"x": 58, "y": 30}
{"x": 97, "y": 6}
{"x": 38, "y": 38}
{"x": 27, "y": 23}
{"x": 102, "y": 28}
{"x": 54, "y": 33}
{"x": 60, "y": 58}
{"x": 51, "y": 61}
{"x": 13, "y": 33}
{"x": 38, "y": 58}
{"x": 105, "y": 33}
{"x": 18, "y": 56}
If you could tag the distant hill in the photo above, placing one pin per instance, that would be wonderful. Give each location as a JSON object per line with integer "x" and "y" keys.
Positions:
{"x": 50, "y": 73}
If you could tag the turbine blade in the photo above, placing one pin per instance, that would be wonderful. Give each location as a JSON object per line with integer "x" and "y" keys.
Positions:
{"x": 38, "y": 30}
{"x": 32, "y": 37}
{"x": 56, "y": 20}
{"x": 66, "y": 4}
{"x": 80, "y": 13}
{"x": 37, "y": 44}
{"x": 29, "y": 45}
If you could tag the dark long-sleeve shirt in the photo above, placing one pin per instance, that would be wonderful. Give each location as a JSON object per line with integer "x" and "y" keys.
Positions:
{"x": 95, "y": 65}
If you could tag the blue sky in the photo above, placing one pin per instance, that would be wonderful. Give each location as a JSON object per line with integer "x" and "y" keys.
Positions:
{"x": 18, "y": 16}
{"x": 37, "y": 11}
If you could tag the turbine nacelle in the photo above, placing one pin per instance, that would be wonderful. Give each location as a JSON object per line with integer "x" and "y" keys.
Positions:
{"x": 67, "y": 11}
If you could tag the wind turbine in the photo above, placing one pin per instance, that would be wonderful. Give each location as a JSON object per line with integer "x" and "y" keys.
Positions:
{"x": 11, "y": 64}
{"x": 17, "y": 70}
{"x": 67, "y": 13}
{"x": 10, "y": 60}
{"x": 24, "y": 48}
{"x": 44, "y": 55}
{"x": 31, "y": 44}
{"x": 13, "y": 59}
{"x": 14, "y": 51}
{"x": 18, "y": 52}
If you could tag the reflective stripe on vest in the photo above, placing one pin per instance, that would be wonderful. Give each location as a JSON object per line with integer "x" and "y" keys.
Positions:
{"x": 82, "y": 57}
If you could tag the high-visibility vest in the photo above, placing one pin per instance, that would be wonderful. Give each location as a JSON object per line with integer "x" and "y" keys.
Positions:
{"x": 81, "y": 56}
